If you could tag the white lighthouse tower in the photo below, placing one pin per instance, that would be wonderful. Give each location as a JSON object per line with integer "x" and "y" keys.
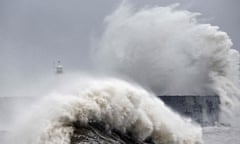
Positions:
{"x": 59, "y": 68}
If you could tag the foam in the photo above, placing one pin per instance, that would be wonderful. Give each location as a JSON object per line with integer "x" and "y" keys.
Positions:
{"x": 119, "y": 104}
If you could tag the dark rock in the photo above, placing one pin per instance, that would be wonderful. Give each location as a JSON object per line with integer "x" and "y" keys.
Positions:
{"x": 96, "y": 133}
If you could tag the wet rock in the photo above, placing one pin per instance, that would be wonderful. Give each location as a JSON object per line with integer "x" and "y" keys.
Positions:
{"x": 98, "y": 133}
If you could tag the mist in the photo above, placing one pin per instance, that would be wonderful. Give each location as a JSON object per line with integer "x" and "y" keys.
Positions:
{"x": 35, "y": 34}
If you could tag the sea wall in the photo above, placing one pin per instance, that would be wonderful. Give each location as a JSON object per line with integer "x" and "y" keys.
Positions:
{"x": 203, "y": 109}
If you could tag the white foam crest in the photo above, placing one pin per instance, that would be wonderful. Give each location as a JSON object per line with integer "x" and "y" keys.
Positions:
{"x": 168, "y": 51}
{"x": 119, "y": 104}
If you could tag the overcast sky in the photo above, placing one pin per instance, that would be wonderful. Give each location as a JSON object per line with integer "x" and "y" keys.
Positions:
{"x": 36, "y": 33}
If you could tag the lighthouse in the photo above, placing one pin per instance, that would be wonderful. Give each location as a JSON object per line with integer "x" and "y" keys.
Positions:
{"x": 59, "y": 68}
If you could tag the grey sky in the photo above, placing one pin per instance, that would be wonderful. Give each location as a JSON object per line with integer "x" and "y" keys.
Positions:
{"x": 35, "y": 33}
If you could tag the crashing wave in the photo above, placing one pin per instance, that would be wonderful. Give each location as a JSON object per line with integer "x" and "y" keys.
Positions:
{"x": 122, "y": 106}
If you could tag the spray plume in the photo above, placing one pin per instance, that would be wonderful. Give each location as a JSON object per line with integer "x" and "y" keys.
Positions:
{"x": 169, "y": 52}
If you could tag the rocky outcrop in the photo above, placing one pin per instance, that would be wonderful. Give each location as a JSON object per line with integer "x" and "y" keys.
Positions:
{"x": 99, "y": 133}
